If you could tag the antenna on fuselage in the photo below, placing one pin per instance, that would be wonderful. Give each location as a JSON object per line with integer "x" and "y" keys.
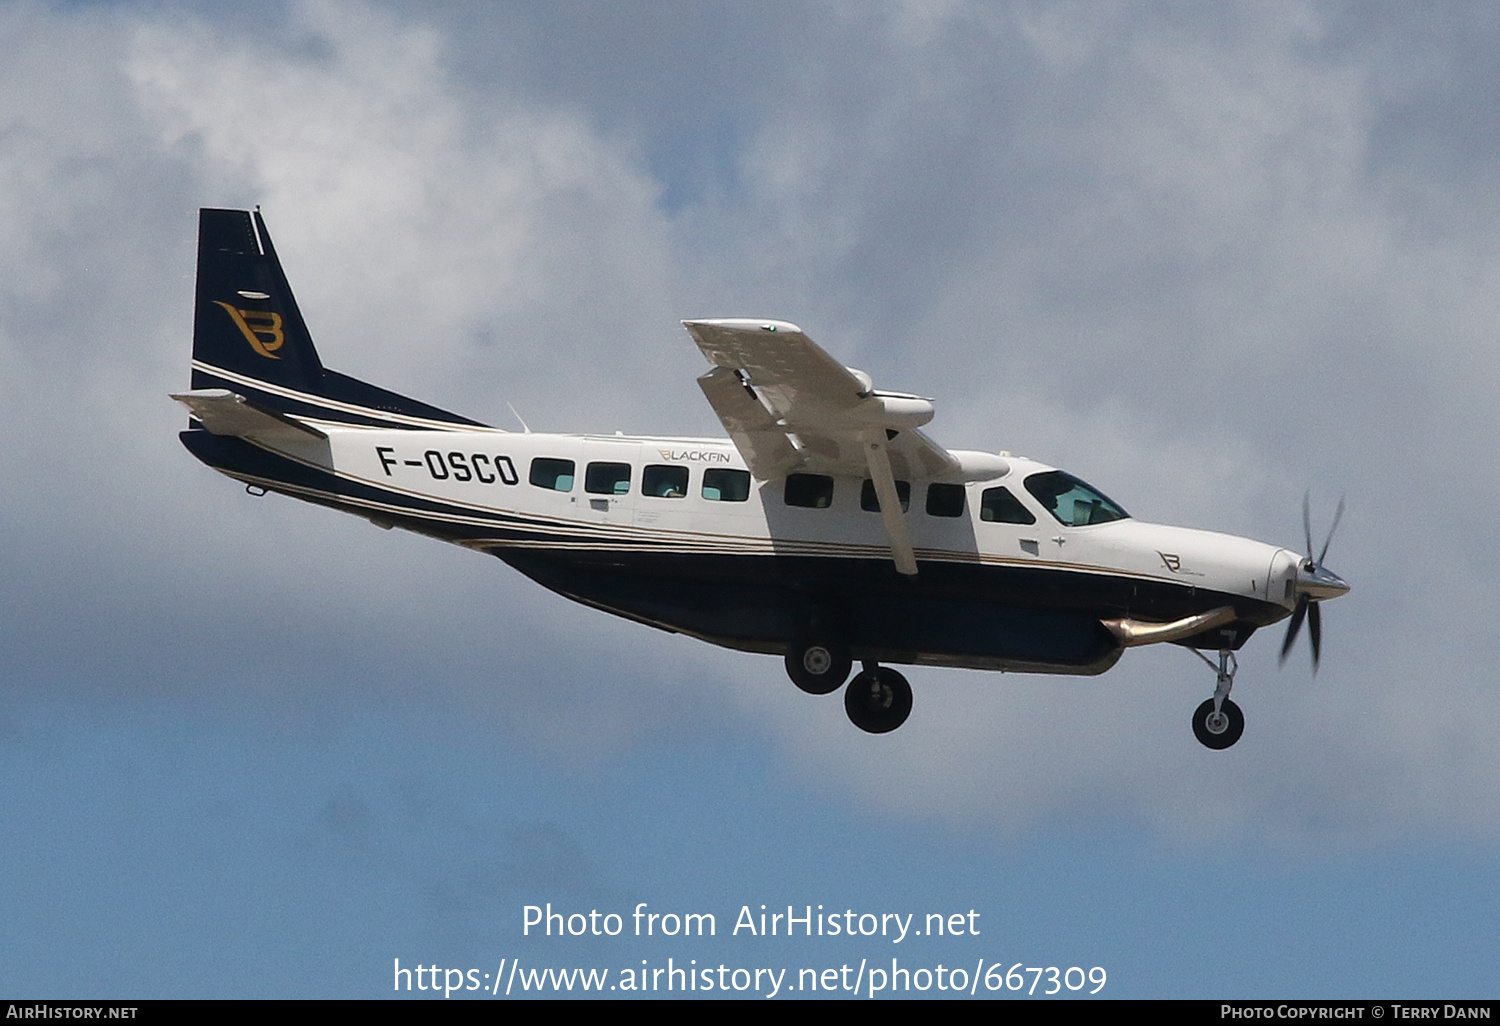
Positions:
{"x": 512, "y": 409}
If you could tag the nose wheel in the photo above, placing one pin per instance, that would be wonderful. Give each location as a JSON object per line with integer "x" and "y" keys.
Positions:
{"x": 1218, "y": 722}
{"x": 1218, "y": 728}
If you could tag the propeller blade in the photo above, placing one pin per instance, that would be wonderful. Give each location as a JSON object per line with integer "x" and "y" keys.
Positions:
{"x": 1338, "y": 513}
{"x": 1321, "y": 583}
{"x": 1307, "y": 521}
{"x": 1294, "y": 627}
{"x": 1315, "y": 633}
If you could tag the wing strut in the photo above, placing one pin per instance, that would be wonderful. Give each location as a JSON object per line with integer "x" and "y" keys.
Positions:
{"x": 890, "y": 502}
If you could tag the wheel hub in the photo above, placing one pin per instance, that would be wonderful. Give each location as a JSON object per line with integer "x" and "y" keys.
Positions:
{"x": 817, "y": 660}
{"x": 879, "y": 696}
{"x": 878, "y": 700}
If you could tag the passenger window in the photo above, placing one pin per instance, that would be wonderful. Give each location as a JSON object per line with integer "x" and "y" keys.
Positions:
{"x": 870, "y": 502}
{"x": 815, "y": 491}
{"x": 664, "y": 482}
{"x": 556, "y": 475}
{"x": 726, "y": 485}
{"x": 607, "y": 478}
{"x": 945, "y": 500}
{"x": 999, "y": 506}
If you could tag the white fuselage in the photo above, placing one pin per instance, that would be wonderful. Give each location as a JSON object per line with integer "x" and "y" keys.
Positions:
{"x": 476, "y": 474}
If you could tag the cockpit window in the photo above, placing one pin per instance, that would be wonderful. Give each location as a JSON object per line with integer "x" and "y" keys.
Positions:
{"x": 1072, "y": 502}
{"x": 945, "y": 500}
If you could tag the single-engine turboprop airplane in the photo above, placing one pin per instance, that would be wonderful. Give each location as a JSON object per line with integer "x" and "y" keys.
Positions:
{"x": 827, "y": 529}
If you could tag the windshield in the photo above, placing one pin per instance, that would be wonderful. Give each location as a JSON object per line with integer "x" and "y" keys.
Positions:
{"x": 1072, "y": 502}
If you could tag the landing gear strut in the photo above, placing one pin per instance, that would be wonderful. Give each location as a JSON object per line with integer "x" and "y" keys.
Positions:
{"x": 878, "y": 699}
{"x": 1218, "y": 722}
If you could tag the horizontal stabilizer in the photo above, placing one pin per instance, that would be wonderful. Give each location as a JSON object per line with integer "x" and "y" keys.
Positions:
{"x": 224, "y": 412}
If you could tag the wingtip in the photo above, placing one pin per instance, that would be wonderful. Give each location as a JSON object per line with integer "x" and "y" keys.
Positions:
{"x": 756, "y": 324}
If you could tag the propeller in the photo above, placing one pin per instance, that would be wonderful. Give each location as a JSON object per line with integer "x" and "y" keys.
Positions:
{"x": 1314, "y": 584}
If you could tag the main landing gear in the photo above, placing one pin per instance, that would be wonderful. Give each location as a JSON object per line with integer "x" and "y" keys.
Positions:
{"x": 818, "y": 665}
{"x": 878, "y": 699}
{"x": 1218, "y": 722}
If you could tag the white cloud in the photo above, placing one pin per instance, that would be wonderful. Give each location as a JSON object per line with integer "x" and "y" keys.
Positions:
{"x": 417, "y": 222}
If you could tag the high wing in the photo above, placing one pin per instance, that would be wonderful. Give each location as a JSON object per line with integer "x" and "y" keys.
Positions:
{"x": 802, "y": 409}
{"x": 791, "y": 407}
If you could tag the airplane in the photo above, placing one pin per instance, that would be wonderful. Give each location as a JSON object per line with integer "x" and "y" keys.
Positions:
{"x": 827, "y": 529}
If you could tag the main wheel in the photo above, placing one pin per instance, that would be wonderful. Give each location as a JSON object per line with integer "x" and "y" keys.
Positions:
{"x": 818, "y": 665}
{"x": 1221, "y": 731}
{"x": 878, "y": 701}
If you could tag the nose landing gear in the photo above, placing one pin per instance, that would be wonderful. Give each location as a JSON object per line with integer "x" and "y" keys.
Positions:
{"x": 1218, "y": 722}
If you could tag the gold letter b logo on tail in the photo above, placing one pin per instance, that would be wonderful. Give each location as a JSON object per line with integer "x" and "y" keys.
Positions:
{"x": 261, "y": 328}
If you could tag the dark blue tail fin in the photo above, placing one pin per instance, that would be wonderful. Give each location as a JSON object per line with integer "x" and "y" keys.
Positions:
{"x": 249, "y": 336}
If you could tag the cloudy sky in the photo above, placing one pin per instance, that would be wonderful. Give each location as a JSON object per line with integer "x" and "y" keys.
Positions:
{"x": 1208, "y": 257}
